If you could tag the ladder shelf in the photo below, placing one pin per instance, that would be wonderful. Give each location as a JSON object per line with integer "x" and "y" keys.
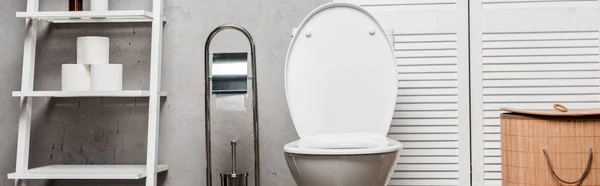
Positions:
{"x": 124, "y": 93}
{"x": 149, "y": 171}
{"x": 105, "y": 172}
{"x": 114, "y": 16}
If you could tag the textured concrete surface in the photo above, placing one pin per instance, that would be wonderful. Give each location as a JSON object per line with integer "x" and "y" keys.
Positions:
{"x": 113, "y": 131}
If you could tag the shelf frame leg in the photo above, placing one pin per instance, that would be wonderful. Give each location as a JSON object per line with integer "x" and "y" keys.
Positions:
{"x": 154, "y": 102}
{"x": 27, "y": 81}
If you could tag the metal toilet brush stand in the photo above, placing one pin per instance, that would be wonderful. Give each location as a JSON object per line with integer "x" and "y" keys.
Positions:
{"x": 222, "y": 84}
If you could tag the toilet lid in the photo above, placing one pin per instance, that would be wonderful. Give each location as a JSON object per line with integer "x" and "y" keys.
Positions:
{"x": 340, "y": 74}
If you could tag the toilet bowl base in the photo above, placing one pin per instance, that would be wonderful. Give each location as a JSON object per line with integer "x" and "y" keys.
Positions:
{"x": 342, "y": 170}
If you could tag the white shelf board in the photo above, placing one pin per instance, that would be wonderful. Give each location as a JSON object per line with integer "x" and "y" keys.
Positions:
{"x": 85, "y": 172}
{"x": 124, "y": 93}
{"x": 113, "y": 16}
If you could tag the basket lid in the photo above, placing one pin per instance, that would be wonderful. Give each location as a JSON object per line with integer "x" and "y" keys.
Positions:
{"x": 559, "y": 110}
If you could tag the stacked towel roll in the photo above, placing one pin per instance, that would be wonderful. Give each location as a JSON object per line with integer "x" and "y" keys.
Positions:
{"x": 92, "y": 71}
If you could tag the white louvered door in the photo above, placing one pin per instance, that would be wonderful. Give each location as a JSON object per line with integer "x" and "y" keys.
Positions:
{"x": 432, "y": 112}
{"x": 528, "y": 54}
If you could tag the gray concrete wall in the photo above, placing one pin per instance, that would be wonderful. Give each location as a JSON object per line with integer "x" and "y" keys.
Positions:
{"x": 113, "y": 131}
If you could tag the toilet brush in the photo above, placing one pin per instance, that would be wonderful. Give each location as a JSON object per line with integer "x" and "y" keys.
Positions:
{"x": 234, "y": 178}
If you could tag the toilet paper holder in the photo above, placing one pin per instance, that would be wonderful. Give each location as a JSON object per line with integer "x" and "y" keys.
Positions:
{"x": 229, "y": 73}
{"x": 224, "y": 59}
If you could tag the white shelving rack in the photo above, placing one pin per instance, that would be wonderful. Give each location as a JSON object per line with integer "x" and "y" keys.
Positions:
{"x": 149, "y": 171}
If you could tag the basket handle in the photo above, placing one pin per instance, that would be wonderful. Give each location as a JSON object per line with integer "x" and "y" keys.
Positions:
{"x": 560, "y": 107}
{"x": 583, "y": 175}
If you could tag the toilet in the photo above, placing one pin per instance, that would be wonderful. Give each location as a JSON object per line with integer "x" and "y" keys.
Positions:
{"x": 341, "y": 88}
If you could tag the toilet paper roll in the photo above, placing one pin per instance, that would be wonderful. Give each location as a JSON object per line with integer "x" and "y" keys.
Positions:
{"x": 233, "y": 102}
{"x": 99, "y": 5}
{"x": 76, "y": 77}
{"x": 92, "y": 50}
{"x": 107, "y": 77}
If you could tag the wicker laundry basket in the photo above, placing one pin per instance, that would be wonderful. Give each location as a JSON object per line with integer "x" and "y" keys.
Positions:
{"x": 550, "y": 147}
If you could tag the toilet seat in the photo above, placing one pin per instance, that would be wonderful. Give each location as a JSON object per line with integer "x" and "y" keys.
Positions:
{"x": 340, "y": 76}
{"x": 390, "y": 145}
{"x": 343, "y": 144}
{"x": 343, "y": 141}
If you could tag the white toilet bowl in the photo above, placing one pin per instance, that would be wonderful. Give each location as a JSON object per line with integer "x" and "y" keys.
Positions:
{"x": 341, "y": 88}
{"x": 341, "y": 162}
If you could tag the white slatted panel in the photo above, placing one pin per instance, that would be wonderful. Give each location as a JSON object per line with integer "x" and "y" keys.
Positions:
{"x": 405, "y": 5}
{"x": 431, "y": 119}
{"x": 528, "y": 54}
{"x": 518, "y": 4}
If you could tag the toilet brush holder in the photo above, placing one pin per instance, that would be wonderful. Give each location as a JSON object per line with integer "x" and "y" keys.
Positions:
{"x": 234, "y": 178}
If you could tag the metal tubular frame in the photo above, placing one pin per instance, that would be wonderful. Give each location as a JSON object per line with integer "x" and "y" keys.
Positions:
{"x": 208, "y": 93}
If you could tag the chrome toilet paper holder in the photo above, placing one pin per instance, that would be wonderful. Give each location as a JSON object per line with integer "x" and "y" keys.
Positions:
{"x": 230, "y": 86}
{"x": 229, "y": 73}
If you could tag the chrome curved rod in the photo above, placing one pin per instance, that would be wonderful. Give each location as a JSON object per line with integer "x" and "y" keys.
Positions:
{"x": 208, "y": 93}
